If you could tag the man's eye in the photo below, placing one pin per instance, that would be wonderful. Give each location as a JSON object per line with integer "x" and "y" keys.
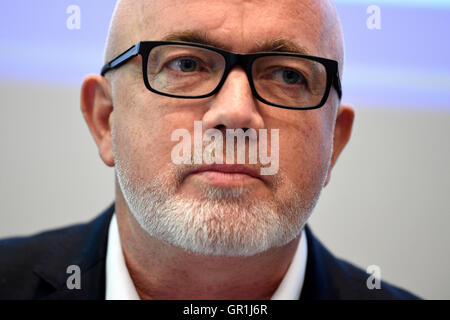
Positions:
{"x": 289, "y": 76}
{"x": 183, "y": 65}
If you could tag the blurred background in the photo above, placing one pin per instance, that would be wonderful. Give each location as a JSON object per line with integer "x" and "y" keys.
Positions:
{"x": 388, "y": 200}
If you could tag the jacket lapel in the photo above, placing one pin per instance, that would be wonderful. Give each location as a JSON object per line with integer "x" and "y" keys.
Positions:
{"x": 83, "y": 246}
{"x": 318, "y": 283}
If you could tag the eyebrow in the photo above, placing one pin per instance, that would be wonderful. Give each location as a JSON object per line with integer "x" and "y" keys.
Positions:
{"x": 275, "y": 45}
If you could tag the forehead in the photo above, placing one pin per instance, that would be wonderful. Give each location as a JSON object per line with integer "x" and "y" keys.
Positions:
{"x": 239, "y": 25}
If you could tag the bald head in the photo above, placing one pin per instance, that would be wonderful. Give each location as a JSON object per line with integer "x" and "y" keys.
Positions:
{"x": 135, "y": 21}
{"x": 332, "y": 32}
{"x": 123, "y": 27}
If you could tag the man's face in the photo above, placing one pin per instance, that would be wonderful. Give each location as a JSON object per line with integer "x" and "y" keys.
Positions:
{"x": 211, "y": 213}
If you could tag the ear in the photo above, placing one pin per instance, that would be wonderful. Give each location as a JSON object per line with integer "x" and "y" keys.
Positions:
{"x": 97, "y": 108}
{"x": 342, "y": 132}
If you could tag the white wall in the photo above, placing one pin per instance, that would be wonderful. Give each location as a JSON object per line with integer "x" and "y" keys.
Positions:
{"x": 387, "y": 203}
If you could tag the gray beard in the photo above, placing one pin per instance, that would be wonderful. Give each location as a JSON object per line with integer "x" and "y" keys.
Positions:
{"x": 224, "y": 222}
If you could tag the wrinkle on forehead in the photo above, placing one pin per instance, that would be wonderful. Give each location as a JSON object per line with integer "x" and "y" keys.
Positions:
{"x": 131, "y": 18}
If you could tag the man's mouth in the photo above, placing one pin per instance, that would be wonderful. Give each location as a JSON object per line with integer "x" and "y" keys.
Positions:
{"x": 227, "y": 175}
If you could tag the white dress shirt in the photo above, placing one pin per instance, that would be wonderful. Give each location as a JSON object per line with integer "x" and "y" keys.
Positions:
{"x": 120, "y": 286}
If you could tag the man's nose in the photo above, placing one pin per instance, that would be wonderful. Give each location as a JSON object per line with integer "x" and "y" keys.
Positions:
{"x": 234, "y": 106}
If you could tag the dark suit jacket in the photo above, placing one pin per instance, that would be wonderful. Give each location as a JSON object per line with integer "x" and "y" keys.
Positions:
{"x": 35, "y": 267}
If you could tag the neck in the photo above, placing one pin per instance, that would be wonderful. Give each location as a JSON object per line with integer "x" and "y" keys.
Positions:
{"x": 162, "y": 271}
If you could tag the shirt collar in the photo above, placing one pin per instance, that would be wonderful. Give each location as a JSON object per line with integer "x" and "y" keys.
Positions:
{"x": 120, "y": 286}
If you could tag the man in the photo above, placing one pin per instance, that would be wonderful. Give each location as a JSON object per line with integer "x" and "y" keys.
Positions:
{"x": 195, "y": 226}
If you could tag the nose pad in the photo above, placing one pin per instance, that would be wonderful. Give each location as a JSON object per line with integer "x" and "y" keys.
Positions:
{"x": 234, "y": 106}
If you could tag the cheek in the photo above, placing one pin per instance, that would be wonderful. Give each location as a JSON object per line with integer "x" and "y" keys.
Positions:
{"x": 142, "y": 132}
{"x": 132, "y": 150}
{"x": 139, "y": 140}
{"x": 305, "y": 151}
{"x": 145, "y": 150}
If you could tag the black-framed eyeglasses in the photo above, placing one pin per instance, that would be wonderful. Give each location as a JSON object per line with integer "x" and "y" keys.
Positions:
{"x": 192, "y": 71}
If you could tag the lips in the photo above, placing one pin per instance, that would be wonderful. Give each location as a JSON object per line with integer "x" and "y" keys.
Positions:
{"x": 229, "y": 169}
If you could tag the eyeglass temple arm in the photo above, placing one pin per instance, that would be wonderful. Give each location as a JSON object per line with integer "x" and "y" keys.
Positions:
{"x": 121, "y": 59}
{"x": 337, "y": 84}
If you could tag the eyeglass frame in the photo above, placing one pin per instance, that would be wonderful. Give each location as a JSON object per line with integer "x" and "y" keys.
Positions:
{"x": 232, "y": 59}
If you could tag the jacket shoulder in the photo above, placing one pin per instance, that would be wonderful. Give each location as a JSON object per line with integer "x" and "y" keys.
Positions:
{"x": 354, "y": 284}
{"x": 17, "y": 252}
{"x": 329, "y": 277}
{"x": 27, "y": 260}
